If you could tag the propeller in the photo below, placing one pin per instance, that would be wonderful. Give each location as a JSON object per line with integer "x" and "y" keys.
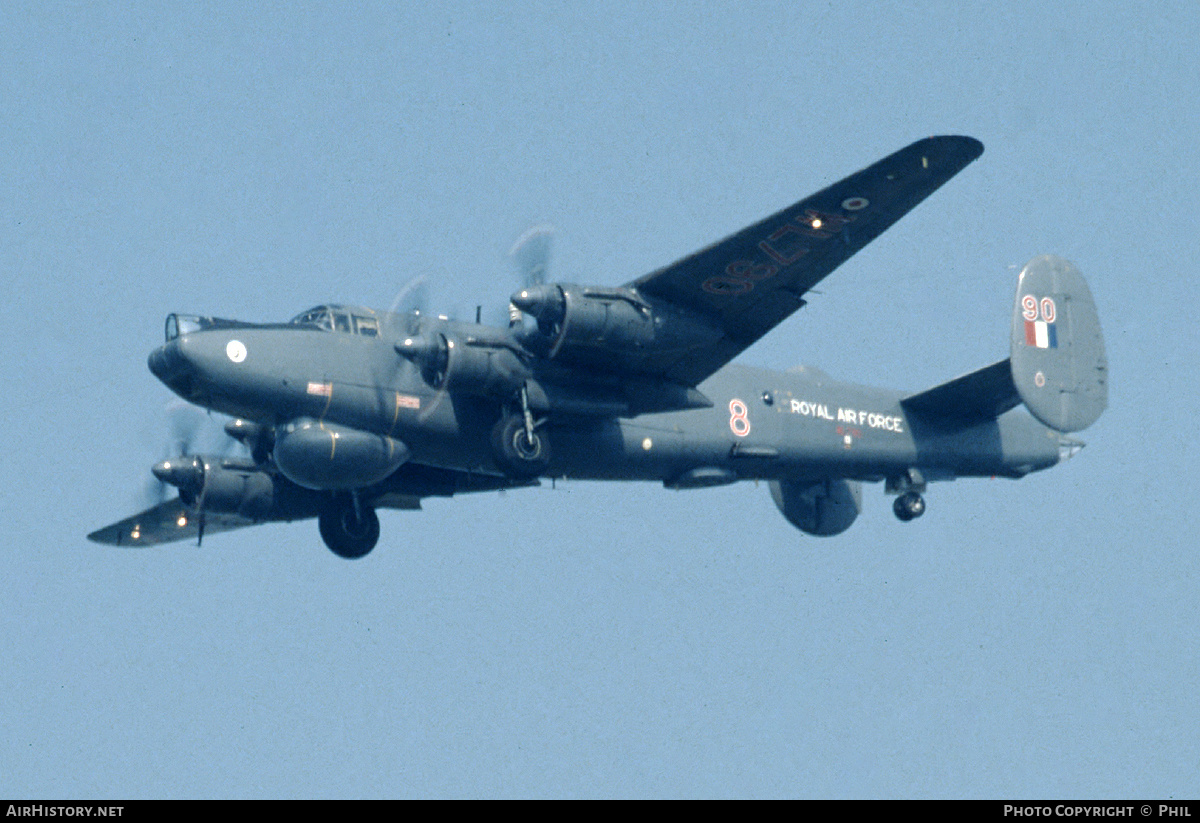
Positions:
{"x": 188, "y": 426}
{"x": 531, "y": 258}
{"x": 430, "y": 350}
{"x": 189, "y": 474}
{"x": 183, "y": 421}
{"x": 430, "y": 354}
{"x": 187, "y": 470}
{"x": 412, "y": 297}
{"x": 531, "y": 254}
{"x": 185, "y": 473}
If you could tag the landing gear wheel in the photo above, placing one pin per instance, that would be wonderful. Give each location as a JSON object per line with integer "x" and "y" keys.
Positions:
{"x": 346, "y": 532}
{"x": 517, "y": 452}
{"x": 909, "y": 506}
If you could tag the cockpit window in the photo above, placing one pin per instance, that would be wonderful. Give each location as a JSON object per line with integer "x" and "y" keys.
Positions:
{"x": 337, "y": 318}
{"x": 181, "y": 324}
{"x": 319, "y": 317}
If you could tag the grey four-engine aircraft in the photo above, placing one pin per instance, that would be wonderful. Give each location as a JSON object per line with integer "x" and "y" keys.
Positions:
{"x": 345, "y": 410}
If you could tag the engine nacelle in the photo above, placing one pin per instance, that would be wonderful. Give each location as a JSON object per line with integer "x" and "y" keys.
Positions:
{"x": 606, "y": 325}
{"x": 484, "y": 370}
{"x": 219, "y": 485}
{"x": 602, "y": 317}
{"x": 822, "y": 508}
{"x": 475, "y": 367}
{"x": 319, "y": 455}
{"x": 237, "y": 491}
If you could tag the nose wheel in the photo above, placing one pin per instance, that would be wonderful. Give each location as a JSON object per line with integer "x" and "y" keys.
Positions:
{"x": 909, "y": 506}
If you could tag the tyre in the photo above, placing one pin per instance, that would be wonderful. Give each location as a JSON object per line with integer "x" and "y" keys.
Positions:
{"x": 345, "y": 533}
{"x": 909, "y": 506}
{"x": 518, "y": 454}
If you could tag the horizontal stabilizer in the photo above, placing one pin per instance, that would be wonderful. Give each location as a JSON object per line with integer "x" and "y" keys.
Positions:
{"x": 1058, "y": 363}
{"x": 1056, "y": 366}
{"x": 981, "y": 395}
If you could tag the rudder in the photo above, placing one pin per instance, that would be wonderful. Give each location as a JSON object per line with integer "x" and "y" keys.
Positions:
{"x": 1057, "y": 349}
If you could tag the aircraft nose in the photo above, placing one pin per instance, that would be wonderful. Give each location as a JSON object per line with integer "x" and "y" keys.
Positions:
{"x": 170, "y": 365}
{"x": 166, "y": 361}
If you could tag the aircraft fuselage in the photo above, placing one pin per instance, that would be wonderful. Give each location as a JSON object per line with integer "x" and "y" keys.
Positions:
{"x": 761, "y": 424}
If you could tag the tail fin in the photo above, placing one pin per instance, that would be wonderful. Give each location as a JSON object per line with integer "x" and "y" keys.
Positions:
{"x": 1057, "y": 350}
{"x": 1056, "y": 365}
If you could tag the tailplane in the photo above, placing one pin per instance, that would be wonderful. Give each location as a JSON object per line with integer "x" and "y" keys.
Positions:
{"x": 1056, "y": 364}
{"x": 1057, "y": 351}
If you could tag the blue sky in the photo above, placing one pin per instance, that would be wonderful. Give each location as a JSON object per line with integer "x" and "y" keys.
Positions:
{"x": 1032, "y": 638}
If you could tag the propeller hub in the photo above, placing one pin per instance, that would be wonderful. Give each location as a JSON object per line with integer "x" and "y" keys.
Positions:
{"x": 545, "y": 302}
{"x": 430, "y": 353}
{"x": 184, "y": 473}
{"x": 419, "y": 347}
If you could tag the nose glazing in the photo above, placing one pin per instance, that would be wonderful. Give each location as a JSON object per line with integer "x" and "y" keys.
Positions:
{"x": 165, "y": 361}
{"x": 169, "y": 364}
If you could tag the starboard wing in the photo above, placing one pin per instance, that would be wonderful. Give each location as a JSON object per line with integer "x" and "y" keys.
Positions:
{"x": 749, "y": 282}
{"x": 168, "y": 522}
{"x": 173, "y": 520}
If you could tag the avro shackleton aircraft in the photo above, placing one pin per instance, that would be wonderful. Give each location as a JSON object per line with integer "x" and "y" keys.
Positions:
{"x": 345, "y": 410}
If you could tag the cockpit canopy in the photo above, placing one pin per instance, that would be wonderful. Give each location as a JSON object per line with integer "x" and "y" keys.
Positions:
{"x": 181, "y": 324}
{"x": 348, "y": 319}
{"x": 339, "y": 318}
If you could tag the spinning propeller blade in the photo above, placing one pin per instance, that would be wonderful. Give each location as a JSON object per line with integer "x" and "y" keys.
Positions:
{"x": 531, "y": 258}
{"x": 187, "y": 426}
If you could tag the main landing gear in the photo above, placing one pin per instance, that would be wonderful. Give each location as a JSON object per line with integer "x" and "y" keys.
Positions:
{"x": 349, "y": 529}
{"x": 518, "y": 447}
{"x": 910, "y": 504}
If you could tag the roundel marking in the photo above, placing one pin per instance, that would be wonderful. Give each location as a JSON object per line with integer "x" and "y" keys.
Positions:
{"x": 855, "y": 203}
{"x": 235, "y": 350}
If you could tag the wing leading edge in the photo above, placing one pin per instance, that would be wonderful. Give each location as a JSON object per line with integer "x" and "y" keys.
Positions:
{"x": 167, "y": 522}
{"x": 749, "y": 282}
{"x": 173, "y": 520}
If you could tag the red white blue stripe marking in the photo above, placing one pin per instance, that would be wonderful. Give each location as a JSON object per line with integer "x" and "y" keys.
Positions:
{"x": 1040, "y": 334}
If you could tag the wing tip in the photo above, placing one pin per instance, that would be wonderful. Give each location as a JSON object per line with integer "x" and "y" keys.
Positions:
{"x": 958, "y": 146}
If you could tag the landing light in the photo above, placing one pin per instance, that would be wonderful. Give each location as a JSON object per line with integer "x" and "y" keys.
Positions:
{"x": 816, "y": 223}
{"x": 181, "y": 521}
{"x": 136, "y": 533}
